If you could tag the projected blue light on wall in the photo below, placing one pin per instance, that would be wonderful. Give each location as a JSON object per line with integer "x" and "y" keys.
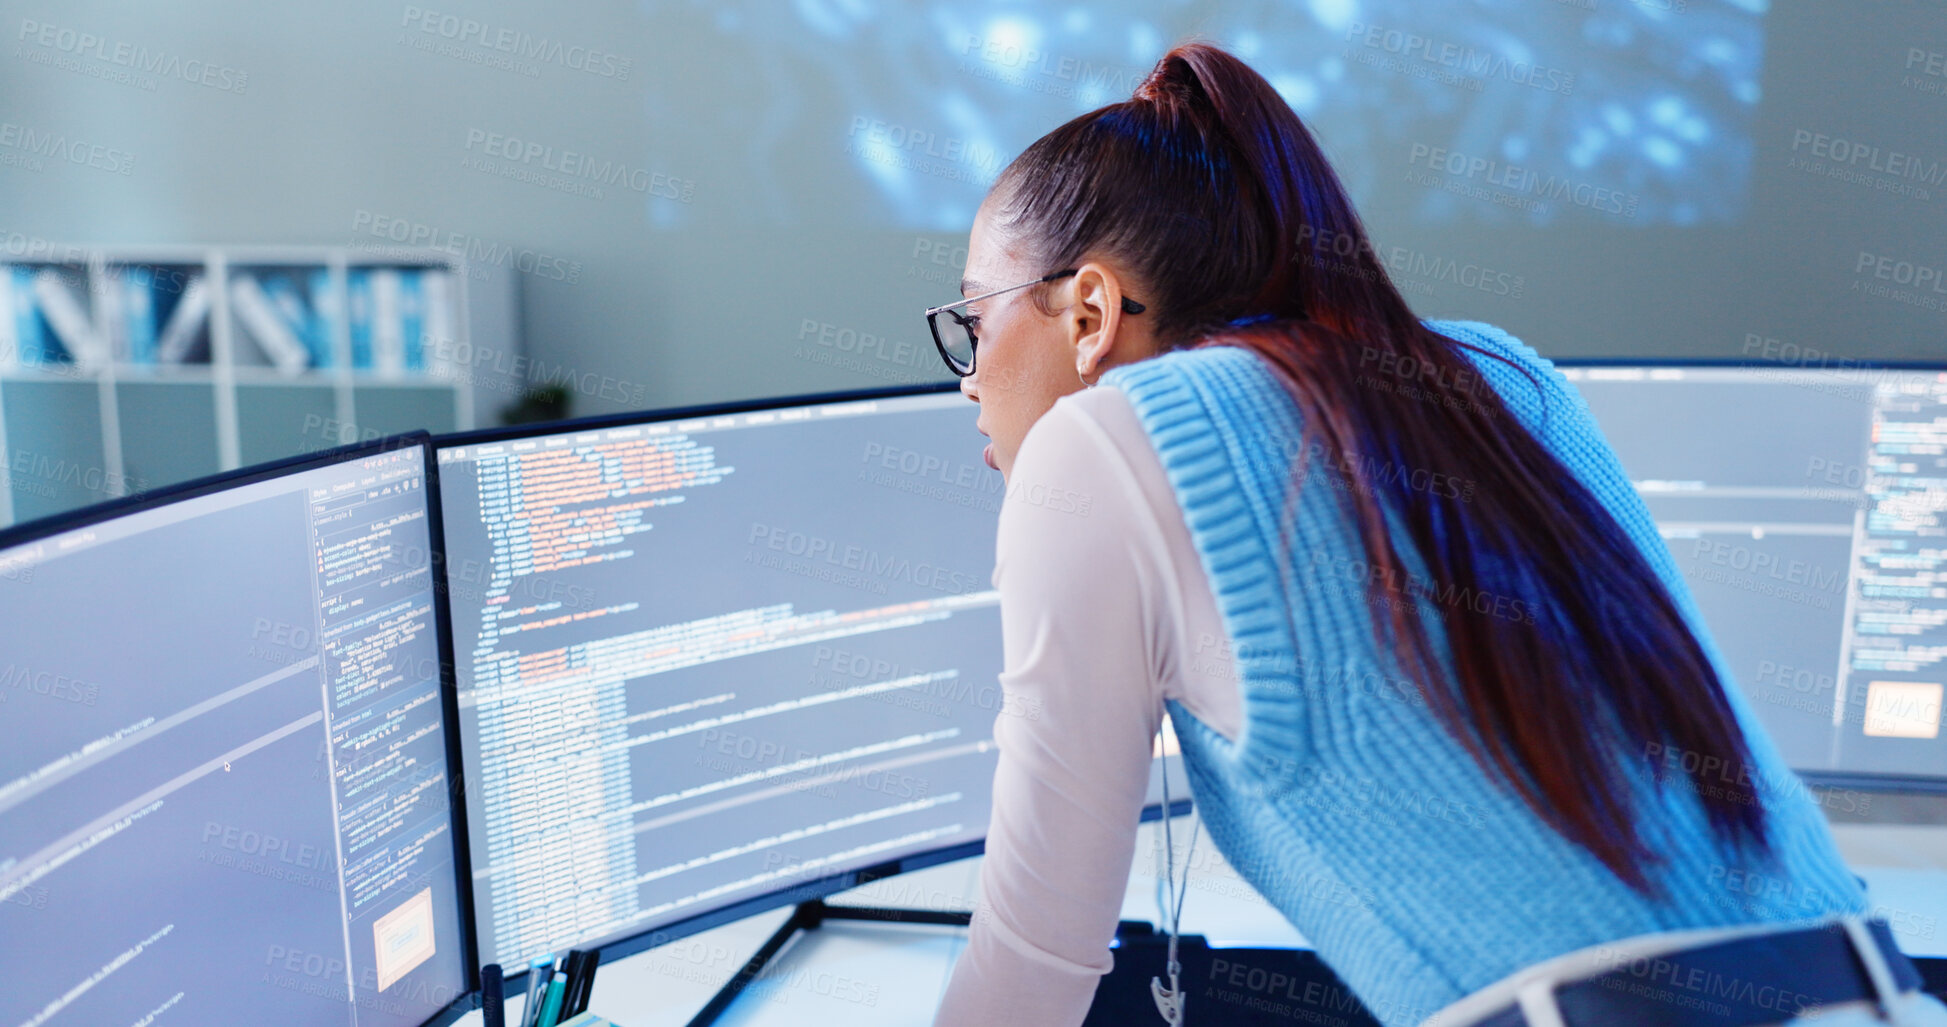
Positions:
{"x": 1486, "y": 112}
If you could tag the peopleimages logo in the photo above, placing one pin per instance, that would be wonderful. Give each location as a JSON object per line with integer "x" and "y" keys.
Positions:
{"x": 1014, "y": 62}
{"x": 900, "y": 146}
{"x": 1341, "y": 252}
{"x": 1902, "y": 281}
{"x": 1465, "y": 60}
{"x": 58, "y": 41}
{"x": 515, "y": 43}
{"x": 865, "y": 565}
{"x": 1852, "y": 153}
{"x": 61, "y": 147}
{"x": 573, "y": 164}
{"x": 1931, "y": 68}
{"x": 478, "y": 252}
{"x": 1523, "y": 181}
{"x": 1901, "y": 272}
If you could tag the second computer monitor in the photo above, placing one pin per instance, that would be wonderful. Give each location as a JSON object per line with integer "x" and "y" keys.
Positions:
{"x": 714, "y": 659}
{"x": 1807, "y": 510}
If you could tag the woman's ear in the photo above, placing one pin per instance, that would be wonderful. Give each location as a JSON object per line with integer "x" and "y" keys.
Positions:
{"x": 1093, "y": 319}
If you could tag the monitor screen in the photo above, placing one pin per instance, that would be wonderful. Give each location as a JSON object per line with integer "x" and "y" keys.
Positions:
{"x": 223, "y": 758}
{"x": 707, "y": 661}
{"x": 1807, "y": 510}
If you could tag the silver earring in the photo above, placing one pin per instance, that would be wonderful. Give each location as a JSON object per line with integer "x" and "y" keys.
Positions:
{"x": 1084, "y": 379}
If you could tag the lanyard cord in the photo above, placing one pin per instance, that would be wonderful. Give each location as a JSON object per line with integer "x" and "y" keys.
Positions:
{"x": 1169, "y": 1001}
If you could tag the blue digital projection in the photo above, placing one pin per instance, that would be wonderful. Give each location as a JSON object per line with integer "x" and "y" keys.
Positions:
{"x": 1482, "y": 112}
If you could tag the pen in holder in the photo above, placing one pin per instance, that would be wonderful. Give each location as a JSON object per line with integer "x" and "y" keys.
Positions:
{"x": 556, "y": 997}
{"x": 539, "y": 970}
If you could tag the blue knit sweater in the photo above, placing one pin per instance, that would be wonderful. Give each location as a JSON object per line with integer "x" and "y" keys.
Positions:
{"x": 1344, "y": 801}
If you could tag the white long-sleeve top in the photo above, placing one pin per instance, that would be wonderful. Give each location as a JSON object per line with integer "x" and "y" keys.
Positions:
{"x": 1105, "y": 612}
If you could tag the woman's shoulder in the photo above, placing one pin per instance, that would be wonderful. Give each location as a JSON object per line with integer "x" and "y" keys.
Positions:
{"x": 1527, "y": 382}
{"x": 1481, "y": 335}
{"x": 1095, "y": 442}
{"x": 1085, "y": 426}
{"x": 1163, "y": 386}
{"x": 1474, "y": 331}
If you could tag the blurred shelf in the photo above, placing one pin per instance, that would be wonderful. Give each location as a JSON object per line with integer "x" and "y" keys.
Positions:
{"x": 360, "y": 352}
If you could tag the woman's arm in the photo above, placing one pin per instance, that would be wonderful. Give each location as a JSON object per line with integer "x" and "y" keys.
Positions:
{"x": 1080, "y": 607}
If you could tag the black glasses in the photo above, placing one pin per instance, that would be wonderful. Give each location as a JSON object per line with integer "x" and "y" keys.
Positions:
{"x": 957, "y": 347}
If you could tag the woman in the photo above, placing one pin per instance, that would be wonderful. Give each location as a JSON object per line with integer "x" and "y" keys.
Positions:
{"x": 1351, "y": 554}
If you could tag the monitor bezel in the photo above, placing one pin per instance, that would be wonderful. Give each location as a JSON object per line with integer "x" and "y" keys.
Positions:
{"x": 41, "y": 528}
{"x": 656, "y": 415}
{"x": 24, "y": 532}
{"x": 1858, "y": 781}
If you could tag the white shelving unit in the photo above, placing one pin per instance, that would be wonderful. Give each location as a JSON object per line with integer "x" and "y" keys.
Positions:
{"x": 75, "y": 434}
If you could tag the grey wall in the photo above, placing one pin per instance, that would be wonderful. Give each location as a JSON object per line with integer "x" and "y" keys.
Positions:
{"x": 749, "y": 108}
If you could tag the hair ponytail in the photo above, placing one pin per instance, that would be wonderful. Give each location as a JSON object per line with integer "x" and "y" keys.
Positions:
{"x": 1208, "y": 187}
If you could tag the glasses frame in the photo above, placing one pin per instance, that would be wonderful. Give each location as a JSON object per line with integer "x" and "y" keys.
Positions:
{"x": 1129, "y": 306}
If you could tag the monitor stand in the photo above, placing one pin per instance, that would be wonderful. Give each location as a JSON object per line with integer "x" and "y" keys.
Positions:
{"x": 809, "y": 916}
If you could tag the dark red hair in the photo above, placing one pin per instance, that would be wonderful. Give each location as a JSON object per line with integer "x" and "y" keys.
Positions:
{"x": 1208, "y": 188}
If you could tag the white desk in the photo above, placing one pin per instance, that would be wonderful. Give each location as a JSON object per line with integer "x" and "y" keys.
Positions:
{"x": 871, "y": 974}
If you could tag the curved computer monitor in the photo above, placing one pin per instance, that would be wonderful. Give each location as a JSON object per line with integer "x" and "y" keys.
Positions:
{"x": 717, "y": 660}
{"x": 224, "y": 768}
{"x": 1806, "y": 507}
